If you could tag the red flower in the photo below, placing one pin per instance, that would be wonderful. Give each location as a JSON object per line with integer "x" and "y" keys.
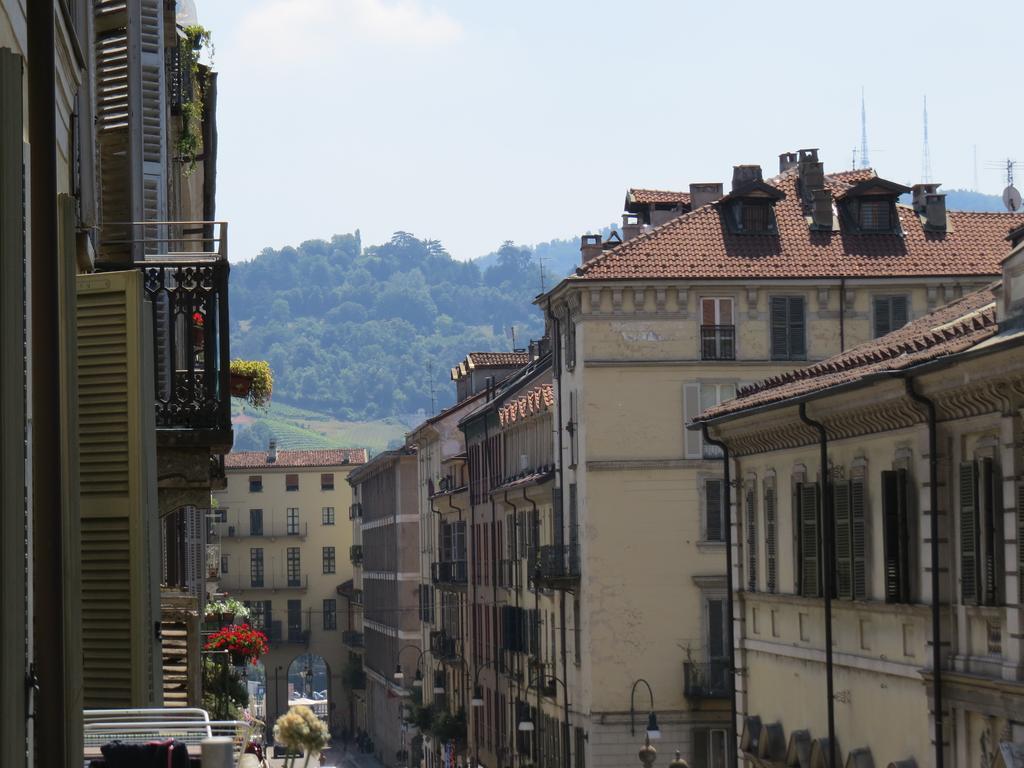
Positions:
{"x": 239, "y": 640}
{"x": 198, "y": 318}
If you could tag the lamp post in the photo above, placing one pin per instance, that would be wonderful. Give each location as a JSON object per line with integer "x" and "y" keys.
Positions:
{"x": 653, "y": 731}
{"x": 400, "y": 675}
{"x": 527, "y": 726}
{"x": 478, "y": 701}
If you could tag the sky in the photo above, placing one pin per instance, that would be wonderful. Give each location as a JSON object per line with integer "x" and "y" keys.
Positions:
{"x": 478, "y": 121}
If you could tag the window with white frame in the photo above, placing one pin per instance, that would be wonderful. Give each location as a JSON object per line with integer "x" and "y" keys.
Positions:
{"x": 698, "y": 396}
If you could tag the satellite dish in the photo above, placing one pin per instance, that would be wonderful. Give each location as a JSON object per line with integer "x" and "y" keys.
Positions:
{"x": 1011, "y": 198}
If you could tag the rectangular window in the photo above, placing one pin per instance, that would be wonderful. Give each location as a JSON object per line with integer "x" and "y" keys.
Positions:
{"x": 896, "y": 541}
{"x": 294, "y": 621}
{"x": 330, "y": 614}
{"x": 327, "y": 516}
{"x": 717, "y": 617}
{"x": 714, "y": 510}
{"x": 223, "y": 563}
{"x": 291, "y": 482}
{"x": 717, "y": 329}
{"x": 875, "y": 215}
{"x": 577, "y": 633}
{"x": 788, "y": 328}
{"x": 255, "y": 483}
{"x": 259, "y": 614}
{"x": 771, "y": 541}
{"x": 889, "y": 313}
{"x": 697, "y": 396}
{"x": 326, "y": 481}
{"x": 807, "y": 534}
{"x": 256, "y": 567}
{"x": 756, "y": 217}
{"x": 849, "y": 539}
{"x": 328, "y": 559}
{"x": 292, "y": 519}
{"x": 570, "y": 343}
{"x": 294, "y": 567}
{"x": 255, "y": 522}
{"x": 750, "y": 511}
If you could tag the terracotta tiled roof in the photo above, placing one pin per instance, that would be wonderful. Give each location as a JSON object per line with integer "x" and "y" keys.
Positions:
{"x": 696, "y": 245}
{"x": 497, "y": 359}
{"x": 648, "y": 196}
{"x": 538, "y": 399}
{"x": 322, "y": 458}
{"x": 950, "y": 329}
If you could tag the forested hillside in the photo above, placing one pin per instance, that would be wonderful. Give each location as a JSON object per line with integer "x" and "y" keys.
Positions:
{"x": 360, "y": 333}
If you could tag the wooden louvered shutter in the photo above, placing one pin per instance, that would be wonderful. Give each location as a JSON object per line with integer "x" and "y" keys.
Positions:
{"x": 14, "y": 517}
{"x": 714, "y": 511}
{"x": 118, "y": 602}
{"x": 751, "y": 538}
{"x": 858, "y": 539}
{"x": 843, "y": 539}
{"x": 145, "y": 35}
{"x": 771, "y": 541}
{"x": 797, "y": 328}
{"x": 896, "y": 536}
{"x": 779, "y": 318}
{"x": 969, "y": 565}
{"x": 992, "y": 522}
{"x": 881, "y": 315}
{"x": 807, "y": 499}
{"x": 898, "y": 312}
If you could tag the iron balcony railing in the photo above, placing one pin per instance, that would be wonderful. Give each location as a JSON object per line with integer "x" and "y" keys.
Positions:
{"x": 450, "y": 572}
{"x": 352, "y": 639}
{"x": 291, "y": 634}
{"x": 273, "y": 531}
{"x": 248, "y": 582}
{"x": 443, "y": 646}
{"x": 718, "y": 342}
{"x": 556, "y": 565}
{"x": 707, "y": 680}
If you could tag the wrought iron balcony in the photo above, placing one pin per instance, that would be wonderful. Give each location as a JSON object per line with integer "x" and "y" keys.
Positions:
{"x": 355, "y": 554}
{"x": 449, "y": 573}
{"x": 556, "y": 565}
{"x": 185, "y": 280}
{"x": 291, "y": 635}
{"x": 443, "y": 646}
{"x": 355, "y": 511}
{"x": 352, "y": 639}
{"x": 718, "y": 342}
{"x": 273, "y": 530}
{"x": 707, "y": 680}
{"x": 250, "y": 583}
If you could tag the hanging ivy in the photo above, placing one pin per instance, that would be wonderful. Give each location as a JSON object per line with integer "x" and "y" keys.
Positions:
{"x": 196, "y": 38}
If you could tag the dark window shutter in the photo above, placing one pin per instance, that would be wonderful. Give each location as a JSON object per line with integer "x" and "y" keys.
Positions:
{"x": 770, "y": 541}
{"x": 779, "y": 317}
{"x": 714, "y": 510}
{"x": 716, "y": 630}
{"x": 700, "y": 748}
{"x": 858, "y": 539}
{"x": 969, "y": 571}
{"x": 843, "y": 539}
{"x": 797, "y": 335}
{"x": 751, "y": 540}
{"x": 881, "y": 313}
{"x": 992, "y": 515}
{"x": 810, "y": 583}
{"x": 898, "y": 312}
{"x": 891, "y": 544}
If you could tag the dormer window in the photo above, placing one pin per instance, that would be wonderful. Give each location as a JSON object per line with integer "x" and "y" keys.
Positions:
{"x": 870, "y": 206}
{"x": 753, "y": 217}
{"x": 749, "y": 208}
{"x": 875, "y": 215}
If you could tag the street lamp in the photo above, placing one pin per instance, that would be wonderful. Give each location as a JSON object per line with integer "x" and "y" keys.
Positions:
{"x": 653, "y": 731}
{"x": 478, "y": 697}
{"x": 527, "y": 725}
{"x": 399, "y": 675}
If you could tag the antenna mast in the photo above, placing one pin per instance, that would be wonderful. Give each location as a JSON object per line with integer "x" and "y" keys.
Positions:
{"x": 430, "y": 375}
{"x": 864, "y": 161}
{"x": 540, "y": 261}
{"x": 926, "y": 156}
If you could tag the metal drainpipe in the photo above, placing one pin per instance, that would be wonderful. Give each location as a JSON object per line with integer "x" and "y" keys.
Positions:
{"x": 933, "y": 503}
{"x": 730, "y": 632}
{"x": 536, "y": 609}
{"x": 842, "y": 314}
{"x": 557, "y": 375}
{"x": 460, "y": 510}
{"x": 515, "y": 561}
{"x": 826, "y": 550}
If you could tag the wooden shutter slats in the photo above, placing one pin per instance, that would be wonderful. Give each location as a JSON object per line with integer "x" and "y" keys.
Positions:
{"x": 843, "y": 539}
{"x": 969, "y": 565}
{"x": 770, "y": 541}
{"x": 713, "y": 510}
{"x": 858, "y": 539}
{"x": 807, "y": 500}
{"x": 751, "y": 538}
{"x": 797, "y": 329}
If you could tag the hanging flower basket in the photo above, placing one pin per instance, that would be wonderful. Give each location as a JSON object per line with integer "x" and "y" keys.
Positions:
{"x": 260, "y": 381}
{"x": 241, "y": 641}
{"x": 240, "y": 385}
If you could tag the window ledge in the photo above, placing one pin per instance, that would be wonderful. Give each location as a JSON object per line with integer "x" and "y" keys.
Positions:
{"x": 874, "y": 606}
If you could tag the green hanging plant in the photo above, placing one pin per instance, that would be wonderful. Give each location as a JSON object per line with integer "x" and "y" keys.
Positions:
{"x": 252, "y": 380}
{"x": 196, "y": 39}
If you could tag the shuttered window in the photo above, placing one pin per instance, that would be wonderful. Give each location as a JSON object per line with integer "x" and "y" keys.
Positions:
{"x": 256, "y": 567}
{"x": 714, "y": 510}
{"x": 850, "y": 544}
{"x": 751, "y": 537}
{"x": 992, "y": 542}
{"x": 330, "y": 613}
{"x": 255, "y": 522}
{"x": 717, "y": 632}
{"x": 255, "y": 484}
{"x": 788, "y": 328}
{"x": 291, "y": 482}
{"x": 969, "y": 566}
{"x": 771, "y": 541}
{"x": 326, "y": 481}
{"x": 294, "y": 564}
{"x": 807, "y": 528}
{"x": 890, "y": 313}
{"x": 896, "y": 536}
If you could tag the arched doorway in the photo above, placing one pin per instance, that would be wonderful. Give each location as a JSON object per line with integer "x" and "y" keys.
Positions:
{"x": 309, "y": 683}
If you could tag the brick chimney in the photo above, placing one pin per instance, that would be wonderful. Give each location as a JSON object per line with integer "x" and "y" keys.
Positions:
{"x": 787, "y": 160}
{"x": 590, "y": 247}
{"x": 702, "y": 194}
{"x": 812, "y": 173}
{"x": 935, "y": 211}
{"x": 821, "y": 209}
{"x": 631, "y": 226}
{"x": 744, "y": 174}
{"x": 919, "y": 194}
{"x": 272, "y": 452}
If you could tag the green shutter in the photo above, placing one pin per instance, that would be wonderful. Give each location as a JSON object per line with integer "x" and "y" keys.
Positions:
{"x": 858, "y": 539}
{"x": 770, "y": 541}
{"x": 969, "y": 565}
{"x": 810, "y": 581}
{"x": 751, "y": 539}
{"x": 714, "y": 511}
{"x": 843, "y": 539}
{"x": 797, "y": 329}
{"x": 779, "y": 316}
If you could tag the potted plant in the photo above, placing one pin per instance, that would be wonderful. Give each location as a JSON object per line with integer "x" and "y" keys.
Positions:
{"x": 226, "y": 610}
{"x": 253, "y": 381}
{"x": 242, "y": 642}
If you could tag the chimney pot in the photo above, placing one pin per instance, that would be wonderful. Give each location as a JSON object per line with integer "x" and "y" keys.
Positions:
{"x": 812, "y": 173}
{"x": 272, "y": 452}
{"x": 935, "y": 211}
{"x": 630, "y": 225}
{"x": 787, "y": 160}
{"x": 702, "y": 194}
{"x": 745, "y": 174}
{"x": 821, "y": 209}
{"x": 919, "y": 195}
{"x": 590, "y": 247}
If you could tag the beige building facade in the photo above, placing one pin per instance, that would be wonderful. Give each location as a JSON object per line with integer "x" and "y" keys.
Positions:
{"x": 285, "y": 540}
{"x": 914, "y": 527}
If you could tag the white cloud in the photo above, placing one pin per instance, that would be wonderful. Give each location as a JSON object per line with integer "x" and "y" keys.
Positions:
{"x": 298, "y": 31}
